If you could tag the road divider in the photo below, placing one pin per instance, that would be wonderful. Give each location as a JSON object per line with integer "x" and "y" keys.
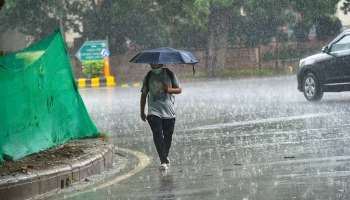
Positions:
{"x": 259, "y": 121}
{"x": 106, "y": 81}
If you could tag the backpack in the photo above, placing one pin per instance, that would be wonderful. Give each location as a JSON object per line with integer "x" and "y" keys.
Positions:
{"x": 169, "y": 73}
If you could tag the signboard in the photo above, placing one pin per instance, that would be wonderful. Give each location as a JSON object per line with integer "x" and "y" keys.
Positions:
{"x": 105, "y": 53}
{"x": 92, "y": 50}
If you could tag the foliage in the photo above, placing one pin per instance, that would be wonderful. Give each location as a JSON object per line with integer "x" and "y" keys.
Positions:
{"x": 346, "y": 6}
{"x": 308, "y": 12}
{"x": 301, "y": 31}
{"x": 146, "y": 24}
{"x": 93, "y": 68}
{"x": 189, "y": 37}
{"x": 284, "y": 54}
{"x": 262, "y": 21}
{"x": 248, "y": 72}
{"x": 35, "y": 18}
{"x": 327, "y": 27}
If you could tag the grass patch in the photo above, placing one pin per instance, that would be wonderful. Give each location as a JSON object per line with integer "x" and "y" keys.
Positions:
{"x": 105, "y": 137}
{"x": 251, "y": 72}
{"x": 238, "y": 73}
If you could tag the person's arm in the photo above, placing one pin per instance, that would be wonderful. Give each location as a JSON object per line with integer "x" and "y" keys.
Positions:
{"x": 175, "y": 86}
{"x": 144, "y": 92}
{"x": 142, "y": 106}
{"x": 172, "y": 90}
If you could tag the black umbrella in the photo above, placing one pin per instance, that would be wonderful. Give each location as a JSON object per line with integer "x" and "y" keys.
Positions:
{"x": 165, "y": 55}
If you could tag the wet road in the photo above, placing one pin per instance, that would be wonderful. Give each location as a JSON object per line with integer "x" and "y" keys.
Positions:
{"x": 234, "y": 139}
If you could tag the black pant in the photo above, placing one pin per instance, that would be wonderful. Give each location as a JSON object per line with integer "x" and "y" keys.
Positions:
{"x": 162, "y": 135}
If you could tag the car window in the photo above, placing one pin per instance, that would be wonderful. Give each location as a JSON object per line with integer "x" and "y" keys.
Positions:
{"x": 342, "y": 44}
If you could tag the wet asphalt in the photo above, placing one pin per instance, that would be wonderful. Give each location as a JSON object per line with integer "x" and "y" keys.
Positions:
{"x": 253, "y": 138}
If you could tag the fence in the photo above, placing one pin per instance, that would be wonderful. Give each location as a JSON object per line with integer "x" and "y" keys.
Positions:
{"x": 272, "y": 56}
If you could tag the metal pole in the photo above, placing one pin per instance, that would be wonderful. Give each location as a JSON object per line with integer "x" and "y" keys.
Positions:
{"x": 106, "y": 62}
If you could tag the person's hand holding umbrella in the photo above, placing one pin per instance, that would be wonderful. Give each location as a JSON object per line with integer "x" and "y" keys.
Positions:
{"x": 171, "y": 90}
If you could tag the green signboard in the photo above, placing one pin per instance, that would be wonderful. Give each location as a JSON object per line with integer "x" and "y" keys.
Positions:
{"x": 92, "y": 50}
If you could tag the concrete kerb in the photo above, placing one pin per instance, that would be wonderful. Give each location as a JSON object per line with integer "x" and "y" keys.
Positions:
{"x": 25, "y": 186}
{"x": 108, "y": 81}
{"x": 142, "y": 162}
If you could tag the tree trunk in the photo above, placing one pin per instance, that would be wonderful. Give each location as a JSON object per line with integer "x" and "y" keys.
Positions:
{"x": 172, "y": 27}
{"x": 277, "y": 52}
{"x": 258, "y": 56}
{"x": 218, "y": 27}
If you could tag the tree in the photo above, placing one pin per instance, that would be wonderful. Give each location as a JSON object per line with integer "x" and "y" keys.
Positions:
{"x": 252, "y": 22}
{"x": 346, "y": 6}
{"x": 147, "y": 23}
{"x": 119, "y": 21}
{"x": 309, "y": 11}
{"x": 327, "y": 26}
{"x": 36, "y": 19}
{"x": 219, "y": 16}
{"x": 185, "y": 23}
{"x": 301, "y": 31}
{"x": 262, "y": 22}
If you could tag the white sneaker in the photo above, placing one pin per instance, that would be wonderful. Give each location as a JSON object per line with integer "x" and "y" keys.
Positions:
{"x": 163, "y": 166}
{"x": 168, "y": 161}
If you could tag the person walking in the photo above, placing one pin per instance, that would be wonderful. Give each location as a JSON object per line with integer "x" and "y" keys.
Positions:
{"x": 158, "y": 89}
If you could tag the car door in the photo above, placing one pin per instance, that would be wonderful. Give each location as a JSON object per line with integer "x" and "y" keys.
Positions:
{"x": 345, "y": 61}
{"x": 341, "y": 60}
{"x": 332, "y": 74}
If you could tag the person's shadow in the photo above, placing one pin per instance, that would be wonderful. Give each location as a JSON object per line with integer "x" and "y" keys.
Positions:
{"x": 166, "y": 186}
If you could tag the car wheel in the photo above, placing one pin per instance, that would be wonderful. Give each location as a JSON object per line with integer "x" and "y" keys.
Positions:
{"x": 312, "y": 88}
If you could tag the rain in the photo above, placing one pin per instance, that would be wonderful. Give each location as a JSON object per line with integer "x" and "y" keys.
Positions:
{"x": 258, "y": 139}
{"x": 243, "y": 129}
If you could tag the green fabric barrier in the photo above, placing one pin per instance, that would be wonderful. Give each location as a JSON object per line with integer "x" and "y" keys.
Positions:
{"x": 40, "y": 106}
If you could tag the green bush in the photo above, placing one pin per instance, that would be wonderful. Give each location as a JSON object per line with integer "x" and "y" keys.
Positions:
{"x": 268, "y": 56}
{"x": 93, "y": 68}
{"x": 327, "y": 26}
{"x": 287, "y": 53}
{"x": 246, "y": 72}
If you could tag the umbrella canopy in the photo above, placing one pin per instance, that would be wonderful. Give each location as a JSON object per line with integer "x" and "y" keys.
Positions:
{"x": 164, "y": 55}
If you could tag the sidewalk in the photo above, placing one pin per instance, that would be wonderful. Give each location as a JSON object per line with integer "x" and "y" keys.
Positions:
{"x": 55, "y": 169}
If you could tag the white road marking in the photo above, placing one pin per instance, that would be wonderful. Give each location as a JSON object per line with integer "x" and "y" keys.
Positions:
{"x": 260, "y": 121}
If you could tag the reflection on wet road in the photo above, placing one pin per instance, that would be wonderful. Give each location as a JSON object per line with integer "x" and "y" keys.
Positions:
{"x": 235, "y": 139}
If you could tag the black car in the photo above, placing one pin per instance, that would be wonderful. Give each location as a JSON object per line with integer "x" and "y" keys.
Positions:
{"x": 328, "y": 71}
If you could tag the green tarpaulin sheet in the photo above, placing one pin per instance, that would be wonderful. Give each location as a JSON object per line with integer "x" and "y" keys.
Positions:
{"x": 40, "y": 106}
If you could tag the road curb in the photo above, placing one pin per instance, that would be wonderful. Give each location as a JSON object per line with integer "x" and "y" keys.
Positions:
{"x": 108, "y": 81}
{"x": 103, "y": 82}
{"x": 142, "y": 162}
{"x": 54, "y": 179}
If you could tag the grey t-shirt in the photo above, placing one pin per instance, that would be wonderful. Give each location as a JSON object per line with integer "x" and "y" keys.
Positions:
{"x": 160, "y": 104}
